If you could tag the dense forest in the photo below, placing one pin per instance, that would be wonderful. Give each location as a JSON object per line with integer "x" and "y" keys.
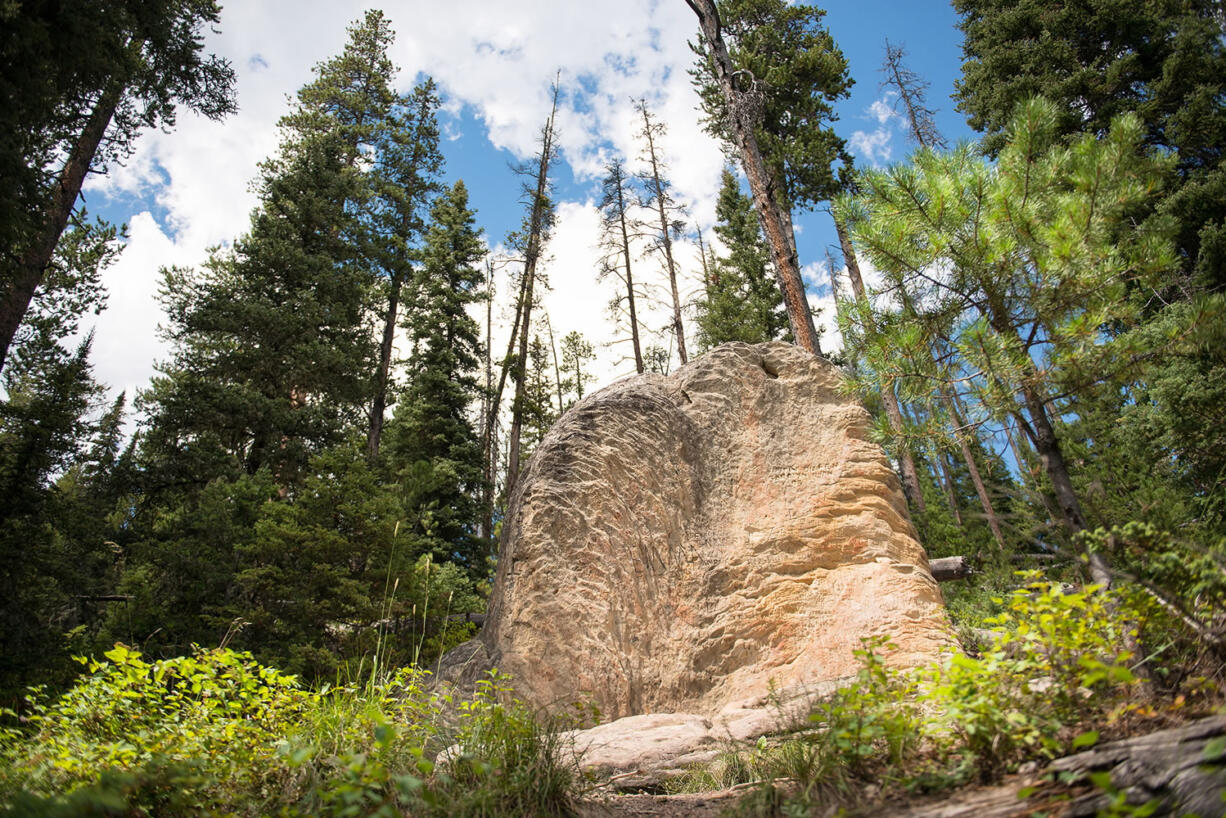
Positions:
{"x": 317, "y": 475}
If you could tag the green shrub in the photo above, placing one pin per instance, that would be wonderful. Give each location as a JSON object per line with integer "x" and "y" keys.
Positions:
{"x": 1055, "y": 668}
{"x": 217, "y": 733}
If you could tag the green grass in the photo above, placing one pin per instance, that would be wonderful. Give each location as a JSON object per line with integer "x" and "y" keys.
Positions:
{"x": 216, "y": 733}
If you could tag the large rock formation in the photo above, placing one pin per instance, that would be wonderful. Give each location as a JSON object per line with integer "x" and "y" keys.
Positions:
{"x": 687, "y": 543}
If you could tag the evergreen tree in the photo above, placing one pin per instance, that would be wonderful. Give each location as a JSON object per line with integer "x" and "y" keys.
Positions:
{"x": 272, "y": 339}
{"x": 43, "y": 426}
{"x": 742, "y": 300}
{"x": 432, "y": 430}
{"x": 660, "y": 199}
{"x": 407, "y": 167}
{"x": 530, "y": 241}
{"x": 576, "y": 352}
{"x": 53, "y": 522}
{"x": 1035, "y": 256}
{"x": 1163, "y": 61}
{"x": 768, "y": 74}
{"x": 80, "y": 82}
{"x": 540, "y": 411}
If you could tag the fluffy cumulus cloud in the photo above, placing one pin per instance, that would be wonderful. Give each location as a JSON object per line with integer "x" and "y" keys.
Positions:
{"x": 495, "y": 60}
{"x": 875, "y": 146}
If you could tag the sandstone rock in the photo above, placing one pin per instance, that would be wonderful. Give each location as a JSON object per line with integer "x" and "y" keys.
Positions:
{"x": 689, "y": 543}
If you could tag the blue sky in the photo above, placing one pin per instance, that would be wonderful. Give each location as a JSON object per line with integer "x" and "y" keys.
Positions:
{"x": 188, "y": 190}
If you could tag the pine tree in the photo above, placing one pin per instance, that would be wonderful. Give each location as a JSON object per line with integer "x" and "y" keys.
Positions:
{"x": 43, "y": 426}
{"x": 407, "y": 167}
{"x": 1163, "y": 61}
{"x": 531, "y": 241}
{"x": 742, "y": 300}
{"x": 1036, "y": 256}
{"x": 272, "y": 339}
{"x": 432, "y": 430}
{"x": 576, "y": 352}
{"x": 80, "y": 82}
{"x": 768, "y": 74}
{"x": 539, "y": 409}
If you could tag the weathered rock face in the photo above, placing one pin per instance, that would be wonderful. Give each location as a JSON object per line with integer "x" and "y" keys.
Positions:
{"x": 684, "y": 543}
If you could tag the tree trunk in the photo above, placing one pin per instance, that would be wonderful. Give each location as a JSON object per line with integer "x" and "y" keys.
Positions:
{"x": 487, "y": 399}
{"x": 761, "y": 185}
{"x": 706, "y": 272}
{"x": 379, "y": 405}
{"x": 634, "y": 319}
{"x": 666, "y": 241}
{"x": 947, "y": 569}
{"x": 536, "y": 228}
{"x": 968, "y": 457}
{"x": 32, "y": 263}
{"x": 910, "y": 476}
{"x": 1178, "y": 769}
{"x": 1043, "y": 436}
{"x": 557, "y": 370}
{"x": 947, "y": 479}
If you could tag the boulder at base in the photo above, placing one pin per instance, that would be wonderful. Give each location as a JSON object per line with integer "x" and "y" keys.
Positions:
{"x": 693, "y": 543}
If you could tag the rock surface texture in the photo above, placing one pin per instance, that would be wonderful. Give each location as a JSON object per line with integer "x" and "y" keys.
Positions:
{"x": 697, "y": 542}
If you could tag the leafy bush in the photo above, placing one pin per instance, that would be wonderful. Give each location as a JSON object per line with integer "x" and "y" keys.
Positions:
{"x": 217, "y": 733}
{"x": 1055, "y": 668}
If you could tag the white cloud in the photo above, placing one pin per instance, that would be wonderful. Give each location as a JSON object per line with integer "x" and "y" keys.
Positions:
{"x": 496, "y": 59}
{"x": 126, "y": 340}
{"x": 873, "y": 147}
{"x": 882, "y": 109}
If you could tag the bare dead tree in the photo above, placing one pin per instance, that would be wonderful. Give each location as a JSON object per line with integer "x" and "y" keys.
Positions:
{"x": 912, "y": 90}
{"x": 659, "y": 198}
{"x": 538, "y": 224}
{"x": 615, "y": 230}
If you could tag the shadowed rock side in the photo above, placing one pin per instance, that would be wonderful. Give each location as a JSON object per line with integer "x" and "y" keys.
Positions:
{"x": 676, "y": 543}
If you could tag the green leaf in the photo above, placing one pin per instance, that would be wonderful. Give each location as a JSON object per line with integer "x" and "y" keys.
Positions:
{"x": 384, "y": 734}
{"x": 1102, "y": 780}
{"x": 1214, "y": 750}
{"x": 1086, "y": 739}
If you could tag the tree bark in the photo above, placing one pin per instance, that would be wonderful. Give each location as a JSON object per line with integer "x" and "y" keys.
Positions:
{"x": 1175, "y": 767}
{"x": 951, "y": 494}
{"x": 972, "y": 467}
{"x": 634, "y": 319}
{"x": 379, "y": 404}
{"x": 536, "y": 227}
{"x": 557, "y": 370}
{"x": 487, "y": 399}
{"x": 761, "y": 185}
{"x": 32, "y": 263}
{"x": 947, "y": 569}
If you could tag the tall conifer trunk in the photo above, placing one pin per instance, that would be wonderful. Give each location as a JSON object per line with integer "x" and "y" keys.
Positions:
{"x": 761, "y": 185}
{"x": 32, "y": 264}
{"x": 382, "y": 376}
{"x": 893, "y": 413}
{"x": 630, "y": 298}
{"x": 536, "y": 234}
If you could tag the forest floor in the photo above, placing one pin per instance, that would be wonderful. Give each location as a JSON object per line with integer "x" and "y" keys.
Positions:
{"x": 1180, "y": 770}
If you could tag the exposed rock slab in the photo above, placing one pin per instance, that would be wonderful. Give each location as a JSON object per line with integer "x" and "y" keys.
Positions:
{"x": 1181, "y": 770}
{"x": 685, "y": 544}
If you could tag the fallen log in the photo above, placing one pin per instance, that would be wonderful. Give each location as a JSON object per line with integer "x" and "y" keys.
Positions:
{"x": 1181, "y": 770}
{"x": 947, "y": 569}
